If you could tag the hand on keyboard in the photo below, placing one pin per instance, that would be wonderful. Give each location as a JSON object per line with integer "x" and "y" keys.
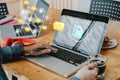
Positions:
{"x": 39, "y": 49}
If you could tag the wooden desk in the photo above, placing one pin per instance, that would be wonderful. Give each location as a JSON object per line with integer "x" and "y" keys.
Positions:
{"x": 35, "y": 72}
{"x": 113, "y": 65}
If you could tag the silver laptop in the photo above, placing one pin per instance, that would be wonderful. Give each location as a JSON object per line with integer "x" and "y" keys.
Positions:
{"x": 82, "y": 37}
{"x": 18, "y": 31}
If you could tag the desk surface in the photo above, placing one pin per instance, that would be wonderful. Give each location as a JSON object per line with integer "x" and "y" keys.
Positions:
{"x": 35, "y": 72}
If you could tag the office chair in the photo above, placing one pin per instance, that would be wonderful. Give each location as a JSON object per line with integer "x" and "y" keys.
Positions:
{"x": 108, "y": 8}
{"x": 3, "y": 9}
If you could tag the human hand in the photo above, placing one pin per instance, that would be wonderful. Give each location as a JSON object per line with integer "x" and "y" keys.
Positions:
{"x": 39, "y": 49}
{"x": 88, "y": 72}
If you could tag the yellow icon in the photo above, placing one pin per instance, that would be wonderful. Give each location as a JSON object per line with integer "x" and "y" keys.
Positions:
{"x": 37, "y": 20}
{"x": 20, "y": 21}
{"x": 27, "y": 29}
{"x": 44, "y": 27}
{"x": 33, "y": 8}
{"x": 26, "y": 2}
{"x": 58, "y": 26}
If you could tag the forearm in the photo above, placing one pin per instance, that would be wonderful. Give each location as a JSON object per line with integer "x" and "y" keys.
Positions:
{"x": 12, "y": 53}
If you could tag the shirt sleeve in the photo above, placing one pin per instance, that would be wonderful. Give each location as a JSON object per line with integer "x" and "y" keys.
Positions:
{"x": 74, "y": 78}
{"x": 12, "y": 53}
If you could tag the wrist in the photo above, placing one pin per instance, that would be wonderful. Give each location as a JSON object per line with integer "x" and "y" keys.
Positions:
{"x": 80, "y": 76}
{"x": 26, "y": 51}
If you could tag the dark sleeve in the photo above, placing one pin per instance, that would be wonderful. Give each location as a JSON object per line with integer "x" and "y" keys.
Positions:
{"x": 74, "y": 78}
{"x": 2, "y": 74}
{"x": 12, "y": 53}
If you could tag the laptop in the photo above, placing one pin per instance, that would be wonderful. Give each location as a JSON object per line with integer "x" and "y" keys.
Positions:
{"x": 81, "y": 38}
{"x": 4, "y": 17}
{"x": 19, "y": 30}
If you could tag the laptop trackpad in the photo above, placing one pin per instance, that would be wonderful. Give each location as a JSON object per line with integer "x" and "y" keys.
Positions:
{"x": 43, "y": 60}
{"x": 54, "y": 64}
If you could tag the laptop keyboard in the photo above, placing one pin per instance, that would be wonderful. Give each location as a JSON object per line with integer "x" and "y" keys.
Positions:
{"x": 20, "y": 30}
{"x": 70, "y": 57}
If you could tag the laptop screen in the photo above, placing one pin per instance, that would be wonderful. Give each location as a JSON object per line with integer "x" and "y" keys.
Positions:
{"x": 82, "y": 32}
{"x": 42, "y": 9}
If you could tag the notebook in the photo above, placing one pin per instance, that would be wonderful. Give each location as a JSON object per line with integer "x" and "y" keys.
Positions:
{"x": 82, "y": 37}
{"x": 20, "y": 30}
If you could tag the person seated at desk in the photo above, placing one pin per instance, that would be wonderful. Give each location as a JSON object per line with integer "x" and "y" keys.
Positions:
{"x": 16, "y": 52}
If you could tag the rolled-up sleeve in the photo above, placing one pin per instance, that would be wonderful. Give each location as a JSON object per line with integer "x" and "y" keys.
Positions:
{"x": 74, "y": 78}
{"x": 12, "y": 53}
